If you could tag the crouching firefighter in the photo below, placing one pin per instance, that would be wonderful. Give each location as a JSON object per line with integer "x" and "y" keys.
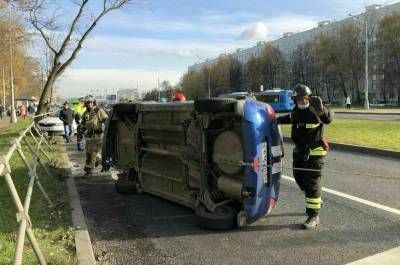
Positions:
{"x": 93, "y": 120}
{"x": 308, "y": 118}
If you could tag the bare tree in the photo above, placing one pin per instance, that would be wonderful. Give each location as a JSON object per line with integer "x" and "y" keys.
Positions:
{"x": 65, "y": 46}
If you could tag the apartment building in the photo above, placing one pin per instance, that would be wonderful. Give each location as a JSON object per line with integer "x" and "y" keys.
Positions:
{"x": 290, "y": 41}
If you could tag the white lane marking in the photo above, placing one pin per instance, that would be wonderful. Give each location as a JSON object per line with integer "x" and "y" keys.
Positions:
{"x": 353, "y": 198}
{"x": 276, "y": 150}
{"x": 389, "y": 257}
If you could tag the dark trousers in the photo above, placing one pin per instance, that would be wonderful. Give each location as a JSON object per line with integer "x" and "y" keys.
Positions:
{"x": 309, "y": 181}
{"x": 79, "y": 136}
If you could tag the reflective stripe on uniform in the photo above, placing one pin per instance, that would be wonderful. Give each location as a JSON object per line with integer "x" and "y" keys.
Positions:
{"x": 319, "y": 151}
{"x": 313, "y": 206}
{"x": 310, "y": 125}
{"x": 314, "y": 200}
{"x": 307, "y": 125}
{"x": 313, "y": 203}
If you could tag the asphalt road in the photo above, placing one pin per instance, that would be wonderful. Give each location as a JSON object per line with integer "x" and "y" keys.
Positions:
{"x": 144, "y": 229}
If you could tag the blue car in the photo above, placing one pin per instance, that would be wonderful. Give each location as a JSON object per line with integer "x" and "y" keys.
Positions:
{"x": 218, "y": 156}
{"x": 280, "y": 100}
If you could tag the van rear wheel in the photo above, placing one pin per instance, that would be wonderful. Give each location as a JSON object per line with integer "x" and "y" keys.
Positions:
{"x": 222, "y": 219}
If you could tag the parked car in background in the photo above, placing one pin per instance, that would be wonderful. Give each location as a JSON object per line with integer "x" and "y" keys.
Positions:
{"x": 236, "y": 95}
{"x": 280, "y": 100}
{"x": 218, "y": 156}
{"x": 53, "y": 125}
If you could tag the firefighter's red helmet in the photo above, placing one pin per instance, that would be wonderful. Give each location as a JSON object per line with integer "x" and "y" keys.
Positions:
{"x": 179, "y": 96}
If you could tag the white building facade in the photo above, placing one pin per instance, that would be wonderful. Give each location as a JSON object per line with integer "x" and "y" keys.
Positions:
{"x": 290, "y": 41}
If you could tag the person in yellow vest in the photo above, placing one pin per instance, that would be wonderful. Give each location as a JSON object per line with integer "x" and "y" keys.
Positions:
{"x": 93, "y": 120}
{"x": 79, "y": 109}
{"x": 308, "y": 119}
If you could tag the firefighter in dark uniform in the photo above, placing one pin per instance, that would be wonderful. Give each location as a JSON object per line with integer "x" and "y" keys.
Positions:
{"x": 93, "y": 120}
{"x": 308, "y": 119}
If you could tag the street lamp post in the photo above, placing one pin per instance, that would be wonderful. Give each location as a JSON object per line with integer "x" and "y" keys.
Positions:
{"x": 209, "y": 84}
{"x": 158, "y": 86}
{"x": 366, "y": 103}
{"x": 13, "y": 116}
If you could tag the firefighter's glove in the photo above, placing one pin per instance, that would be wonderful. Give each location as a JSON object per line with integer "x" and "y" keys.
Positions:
{"x": 316, "y": 106}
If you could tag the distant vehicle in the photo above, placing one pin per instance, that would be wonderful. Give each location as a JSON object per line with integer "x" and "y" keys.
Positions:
{"x": 236, "y": 95}
{"x": 105, "y": 105}
{"x": 280, "y": 100}
{"x": 53, "y": 125}
{"x": 219, "y": 156}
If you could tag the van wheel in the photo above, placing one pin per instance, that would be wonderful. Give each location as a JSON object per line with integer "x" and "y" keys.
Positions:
{"x": 214, "y": 105}
{"x": 223, "y": 218}
{"x": 126, "y": 187}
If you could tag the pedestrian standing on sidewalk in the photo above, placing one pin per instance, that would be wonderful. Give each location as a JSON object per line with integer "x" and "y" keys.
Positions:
{"x": 308, "y": 119}
{"x": 22, "y": 111}
{"x": 67, "y": 117}
{"x": 348, "y": 102}
{"x": 30, "y": 109}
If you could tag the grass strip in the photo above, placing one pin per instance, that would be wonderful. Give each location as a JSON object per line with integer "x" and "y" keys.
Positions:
{"x": 371, "y": 110}
{"x": 369, "y": 133}
{"x": 51, "y": 226}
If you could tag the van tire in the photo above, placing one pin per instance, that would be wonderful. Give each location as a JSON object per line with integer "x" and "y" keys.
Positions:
{"x": 125, "y": 108}
{"x": 214, "y": 105}
{"x": 222, "y": 219}
{"x": 126, "y": 187}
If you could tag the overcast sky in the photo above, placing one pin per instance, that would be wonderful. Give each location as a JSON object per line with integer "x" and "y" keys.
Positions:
{"x": 163, "y": 37}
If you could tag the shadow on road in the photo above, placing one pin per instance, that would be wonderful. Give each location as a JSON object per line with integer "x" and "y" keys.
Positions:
{"x": 114, "y": 216}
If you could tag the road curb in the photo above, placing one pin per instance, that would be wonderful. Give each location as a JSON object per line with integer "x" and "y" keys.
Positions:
{"x": 360, "y": 149}
{"x": 84, "y": 250}
{"x": 373, "y": 113}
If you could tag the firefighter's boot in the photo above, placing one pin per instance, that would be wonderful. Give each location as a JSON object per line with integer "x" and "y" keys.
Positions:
{"x": 311, "y": 223}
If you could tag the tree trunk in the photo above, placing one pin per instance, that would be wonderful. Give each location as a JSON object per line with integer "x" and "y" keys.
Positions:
{"x": 44, "y": 98}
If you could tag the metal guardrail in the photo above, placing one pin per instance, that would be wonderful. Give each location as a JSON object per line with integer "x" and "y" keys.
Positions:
{"x": 23, "y": 219}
